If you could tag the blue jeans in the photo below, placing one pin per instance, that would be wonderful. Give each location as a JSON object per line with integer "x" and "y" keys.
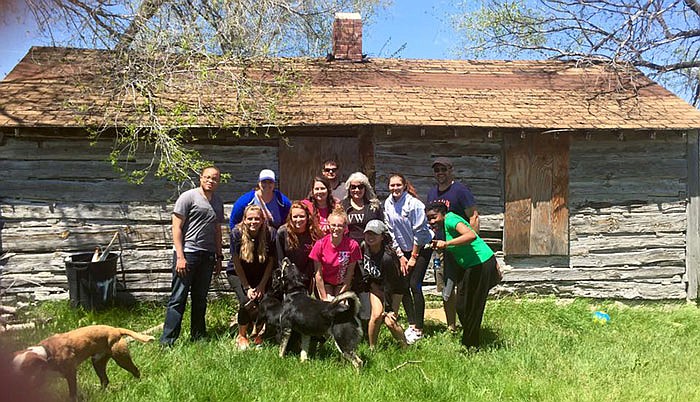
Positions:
{"x": 200, "y": 266}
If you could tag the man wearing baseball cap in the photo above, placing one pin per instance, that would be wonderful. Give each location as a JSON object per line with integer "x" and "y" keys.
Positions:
{"x": 459, "y": 199}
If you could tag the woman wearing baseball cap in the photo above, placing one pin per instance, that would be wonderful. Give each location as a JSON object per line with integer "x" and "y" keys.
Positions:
{"x": 380, "y": 268}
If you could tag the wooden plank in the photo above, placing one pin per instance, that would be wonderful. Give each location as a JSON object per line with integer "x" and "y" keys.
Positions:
{"x": 122, "y": 212}
{"x": 584, "y": 245}
{"x": 666, "y": 256}
{"x": 53, "y": 172}
{"x": 593, "y": 274}
{"x": 540, "y": 186}
{"x": 75, "y": 237}
{"x": 629, "y": 223}
{"x": 600, "y": 290}
{"x": 693, "y": 233}
{"x": 637, "y": 142}
{"x": 300, "y": 159}
{"x": 560, "y": 195}
{"x": 516, "y": 231}
{"x": 675, "y": 206}
{"x": 629, "y": 167}
{"x": 640, "y": 188}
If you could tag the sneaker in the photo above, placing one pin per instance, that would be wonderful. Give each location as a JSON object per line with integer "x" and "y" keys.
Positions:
{"x": 412, "y": 335}
{"x": 242, "y": 343}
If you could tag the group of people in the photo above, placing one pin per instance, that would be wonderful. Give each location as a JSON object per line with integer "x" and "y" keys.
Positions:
{"x": 342, "y": 237}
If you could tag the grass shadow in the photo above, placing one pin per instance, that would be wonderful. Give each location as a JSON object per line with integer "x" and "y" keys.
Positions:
{"x": 489, "y": 339}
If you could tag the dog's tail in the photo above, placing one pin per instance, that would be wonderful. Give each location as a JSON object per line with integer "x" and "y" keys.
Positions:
{"x": 351, "y": 299}
{"x": 139, "y": 337}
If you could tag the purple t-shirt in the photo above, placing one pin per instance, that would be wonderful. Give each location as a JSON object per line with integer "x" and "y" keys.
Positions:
{"x": 335, "y": 261}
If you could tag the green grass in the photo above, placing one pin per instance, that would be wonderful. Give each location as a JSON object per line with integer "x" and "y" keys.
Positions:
{"x": 534, "y": 350}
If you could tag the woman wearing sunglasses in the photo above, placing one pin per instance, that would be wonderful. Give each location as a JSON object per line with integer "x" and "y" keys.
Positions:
{"x": 361, "y": 206}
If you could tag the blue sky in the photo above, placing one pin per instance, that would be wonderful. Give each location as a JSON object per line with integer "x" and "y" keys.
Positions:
{"x": 420, "y": 24}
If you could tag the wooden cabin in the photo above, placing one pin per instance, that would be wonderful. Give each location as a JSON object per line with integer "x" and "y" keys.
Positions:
{"x": 584, "y": 189}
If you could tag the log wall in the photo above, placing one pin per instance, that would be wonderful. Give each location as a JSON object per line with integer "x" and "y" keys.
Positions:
{"x": 60, "y": 196}
{"x": 477, "y": 160}
{"x": 627, "y": 225}
{"x": 627, "y": 198}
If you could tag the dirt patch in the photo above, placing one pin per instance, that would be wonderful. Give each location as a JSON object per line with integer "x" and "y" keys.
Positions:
{"x": 435, "y": 314}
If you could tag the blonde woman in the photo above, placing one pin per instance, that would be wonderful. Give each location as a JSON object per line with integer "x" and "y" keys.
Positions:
{"x": 252, "y": 257}
{"x": 361, "y": 206}
{"x": 335, "y": 257}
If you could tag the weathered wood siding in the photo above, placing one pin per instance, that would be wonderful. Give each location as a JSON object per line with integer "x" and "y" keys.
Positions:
{"x": 475, "y": 154}
{"x": 536, "y": 220}
{"x": 59, "y": 196}
{"x": 627, "y": 222}
{"x": 692, "y": 263}
{"x": 627, "y": 198}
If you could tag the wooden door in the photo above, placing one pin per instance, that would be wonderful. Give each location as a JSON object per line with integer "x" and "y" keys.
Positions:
{"x": 537, "y": 189}
{"x": 300, "y": 159}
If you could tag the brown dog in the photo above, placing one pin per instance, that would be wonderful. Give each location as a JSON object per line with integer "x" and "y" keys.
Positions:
{"x": 64, "y": 352}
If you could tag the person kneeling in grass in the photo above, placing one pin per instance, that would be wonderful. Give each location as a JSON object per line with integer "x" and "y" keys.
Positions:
{"x": 479, "y": 269}
{"x": 381, "y": 272}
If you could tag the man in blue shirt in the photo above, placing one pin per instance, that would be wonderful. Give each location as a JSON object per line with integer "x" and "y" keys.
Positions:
{"x": 459, "y": 199}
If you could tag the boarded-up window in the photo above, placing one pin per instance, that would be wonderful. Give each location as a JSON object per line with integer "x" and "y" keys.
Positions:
{"x": 537, "y": 189}
{"x": 300, "y": 159}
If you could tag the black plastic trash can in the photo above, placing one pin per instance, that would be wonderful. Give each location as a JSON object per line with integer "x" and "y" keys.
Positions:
{"x": 91, "y": 285}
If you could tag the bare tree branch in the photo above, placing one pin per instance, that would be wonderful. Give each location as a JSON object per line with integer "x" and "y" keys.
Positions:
{"x": 659, "y": 36}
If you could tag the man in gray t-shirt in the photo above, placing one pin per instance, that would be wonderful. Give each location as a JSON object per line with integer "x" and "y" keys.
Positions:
{"x": 196, "y": 226}
{"x": 201, "y": 220}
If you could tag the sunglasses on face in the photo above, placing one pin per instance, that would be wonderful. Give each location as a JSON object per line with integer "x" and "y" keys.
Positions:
{"x": 330, "y": 170}
{"x": 440, "y": 169}
{"x": 357, "y": 187}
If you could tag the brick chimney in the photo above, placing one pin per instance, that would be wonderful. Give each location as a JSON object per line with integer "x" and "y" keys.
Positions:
{"x": 347, "y": 37}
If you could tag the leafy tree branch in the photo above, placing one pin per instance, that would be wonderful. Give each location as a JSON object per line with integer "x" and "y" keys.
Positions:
{"x": 171, "y": 66}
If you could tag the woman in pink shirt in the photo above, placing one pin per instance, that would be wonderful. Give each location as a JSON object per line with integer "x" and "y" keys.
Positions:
{"x": 335, "y": 256}
{"x": 320, "y": 202}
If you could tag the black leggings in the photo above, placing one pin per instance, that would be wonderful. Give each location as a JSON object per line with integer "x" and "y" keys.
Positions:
{"x": 244, "y": 316}
{"x": 473, "y": 285}
{"x": 413, "y": 300}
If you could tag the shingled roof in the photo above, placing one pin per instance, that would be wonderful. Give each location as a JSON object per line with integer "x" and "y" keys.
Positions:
{"x": 396, "y": 92}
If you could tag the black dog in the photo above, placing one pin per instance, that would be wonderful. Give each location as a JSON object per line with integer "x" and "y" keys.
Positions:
{"x": 270, "y": 307}
{"x": 312, "y": 317}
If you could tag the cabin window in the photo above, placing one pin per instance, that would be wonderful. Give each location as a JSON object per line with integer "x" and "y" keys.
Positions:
{"x": 536, "y": 221}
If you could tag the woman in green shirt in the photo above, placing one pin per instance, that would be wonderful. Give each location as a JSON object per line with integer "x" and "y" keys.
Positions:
{"x": 479, "y": 271}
